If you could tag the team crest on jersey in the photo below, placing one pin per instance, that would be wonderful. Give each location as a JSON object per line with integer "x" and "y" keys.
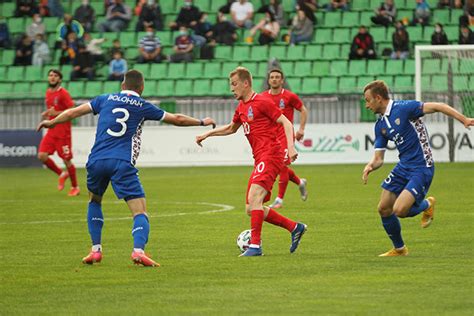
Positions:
{"x": 250, "y": 114}
{"x": 397, "y": 121}
{"x": 384, "y": 131}
{"x": 282, "y": 104}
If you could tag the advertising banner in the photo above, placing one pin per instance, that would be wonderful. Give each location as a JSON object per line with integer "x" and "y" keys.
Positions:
{"x": 19, "y": 148}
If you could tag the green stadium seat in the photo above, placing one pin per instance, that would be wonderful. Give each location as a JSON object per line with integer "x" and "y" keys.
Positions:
{"x": 363, "y": 80}
{"x": 466, "y": 66}
{"x": 158, "y": 71}
{"x": 223, "y": 52}
{"x": 455, "y": 14}
{"x": 212, "y": 70}
{"x": 452, "y": 32}
{"x": 262, "y": 69}
{"x": 376, "y": 67}
{"x": 374, "y": 4}
{"x": 295, "y": 52}
{"x": 102, "y": 72}
{"x": 241, "y": 53}
{"x": 6, "y": 89}
{"x": 388, "y": 80}
{"x": 348, "y": 85}
{"x": 15, "y": 73}
{"x": 401, "y": 14}
{"x": 379, "y": 34}
{"x": 38, "y": 89}
{"x": 442, "y": 16}
{"x": 341, "y": 35}
{"x": 183, "y": 88}
{"x": 21, "y": 90}
{"x": 194, "y": 70}
{"x": 313, "y": 52}
{"x": 76, "y": 89}
{"x": 360, "y": 5}
{"x": 51, "y": 24}
{"x": 227, "y": 67}
{"x": 165, "y": 37}
{"x": 331, "y": 51}
{"x": 99, "y": 8}
{"x": 93, "y": 89}
{"x": 257, "y": 84}
{"x": 328, "y": 85}
{"x": 259, "y": 53}
{"x": 252, "y": 67}
{"x": 439, "y": 83}
{"x": 403, "y": 84}
{"x": 294, "y": 84}
{"x": 310, "y": 85}
{"x": 3, "y": 72}
{"x": 288, "y": 5}
{"x": 332, "y": 19}
{"x": 357, "y": 67}
{"x": 143, "y": 68}
{"x": 34, "y": 73}
{"x": 339, "y": 68}
{"x": 165, "y": 88}
{"x": 16, "y": 25}
{"x": 323, "y": 36}
{"x": 350, "y": 19}
{"x": 431, "y": 66}
{"x": 320, "y": 68}
{"x": 287, "y": 67}
{"x": 203, "y": 5}
{"x": 400, "y": 4}
{"x": 220, "y": 87}
{"x": 202, "y": 87}
{"x": 278, "y": 52}
{"x": 176, "y": 70}
{"x": 8, "y": 9}
{"x": 365, "y": 18}
{"x": 150, "y": 89}
{"x": 168, "y": 7}
{"x": 128, "y": 39}
{"x": 394, "y": 67}
{"x": 409, "y": 68}
{"x": 461, "y": 84}
{"x": 131, "y": 53}
{"x": 303, "y": 69}
{"x": 416, "y": 33}
{"x": 114, "y": 86}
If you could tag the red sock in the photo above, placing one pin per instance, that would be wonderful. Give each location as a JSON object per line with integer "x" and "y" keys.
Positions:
{"x": 283, "y": 182}
{"x": 256, "y": 221}
{"x": 72, "y": 174}
{"x": 277, "y": 219}
{"x": 53, "y": 166}
{"x": 293, "y": 177}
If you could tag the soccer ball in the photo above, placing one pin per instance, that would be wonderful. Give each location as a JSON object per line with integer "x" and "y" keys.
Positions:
{"x": 243, "y": 240}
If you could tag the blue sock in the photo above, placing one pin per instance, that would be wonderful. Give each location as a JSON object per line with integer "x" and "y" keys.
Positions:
{"x": 95, "y": 222}
{"x": 415, "y": 210}
{"x": 393, "y": 229}
{"x": 141, "y": 229}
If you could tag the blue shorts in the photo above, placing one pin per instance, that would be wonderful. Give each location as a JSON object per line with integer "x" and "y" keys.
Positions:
{"x": 121, "y": 173}
{"x": 416, "y": 180}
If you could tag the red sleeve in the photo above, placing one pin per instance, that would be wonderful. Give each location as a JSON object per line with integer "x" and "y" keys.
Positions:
{"x": 296, "y": 101}
{"x": 270, "y": 109}
{"x": 66, "y": 101}
{"x": 236, "y": 118}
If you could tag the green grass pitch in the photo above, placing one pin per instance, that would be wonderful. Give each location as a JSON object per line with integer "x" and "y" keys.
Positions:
{"x": 43, "y": 236}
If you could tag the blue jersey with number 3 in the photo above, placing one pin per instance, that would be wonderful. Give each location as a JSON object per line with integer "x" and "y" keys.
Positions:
{"x": 402, "y": 124}
{"x": 119, "y": 129}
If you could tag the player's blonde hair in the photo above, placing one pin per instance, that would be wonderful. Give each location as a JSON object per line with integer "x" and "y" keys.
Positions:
{"x": 378, "y": 87}
{"x": 242, "y": 73}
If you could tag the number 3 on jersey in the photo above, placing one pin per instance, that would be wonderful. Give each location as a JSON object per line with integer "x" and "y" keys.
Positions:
{"x": 121, "y": 121}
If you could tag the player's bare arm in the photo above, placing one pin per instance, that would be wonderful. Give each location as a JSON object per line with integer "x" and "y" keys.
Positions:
{"x": 51, "y": 112}
{"x": 184, "y": 120}
{"x": 288, "y": 127}
{"x": 374, "y": 164}
{"x": 219, "y": 131}
{"x": 65, "y": 116}
{"x": 303, "y": 118}
{"x": 432, "y": 107}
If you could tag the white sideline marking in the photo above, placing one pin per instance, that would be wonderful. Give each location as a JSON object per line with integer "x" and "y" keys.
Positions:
{"x": 220, "y": 208}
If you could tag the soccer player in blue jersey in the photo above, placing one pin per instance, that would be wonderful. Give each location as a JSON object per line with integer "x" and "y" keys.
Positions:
{"x": 113, "y": 156}
{"x": 405, "y": 188}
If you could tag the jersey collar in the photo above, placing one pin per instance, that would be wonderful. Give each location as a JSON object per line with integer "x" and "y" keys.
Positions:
{"x": 129, "y": 92}
{"x": 389, "y": 108}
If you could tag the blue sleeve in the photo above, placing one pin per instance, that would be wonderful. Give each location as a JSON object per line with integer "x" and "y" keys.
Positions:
{"x": 97, "y": 103}
{"x": 152, "y": 112}
{"x": 413, "y": 108}
{"x": 380, "y": 140}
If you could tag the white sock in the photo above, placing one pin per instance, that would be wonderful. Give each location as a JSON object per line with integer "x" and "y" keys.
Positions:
{"x": 138, "y": 250}
{"x": 254, "y": 246}
{"x": 97, "y": 247}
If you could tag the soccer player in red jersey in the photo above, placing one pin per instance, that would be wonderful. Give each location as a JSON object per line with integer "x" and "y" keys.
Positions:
{"x": 58, "y": 139}
{"x": 260, "y": 119}
{"x": 288, "y": 102}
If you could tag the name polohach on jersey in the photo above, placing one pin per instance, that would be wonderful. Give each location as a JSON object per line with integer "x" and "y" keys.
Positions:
{"x": 402, "y": 124}
{"x": 119, "y": 129}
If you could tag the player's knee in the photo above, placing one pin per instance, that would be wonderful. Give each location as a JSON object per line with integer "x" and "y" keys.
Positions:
{"x": 43, "y": 157}
{"x": 399, "y": 211}
{"x": 384, "y": 210}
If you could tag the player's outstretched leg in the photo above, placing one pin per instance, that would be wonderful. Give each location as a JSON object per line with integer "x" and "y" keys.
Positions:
{"x": 428, "y": 213}
{"x": 391, "y": 224}
{"x": 296, "y": 236}
{"x": 140, "y": 232}
{"x": 282, "y": 186}
{"x": 95, "y": 222}
{"x": 296, "y": 229}
{"x": 72, "y": 174}
{"x": 256, "y": 222}
{"x": 300, "y": 182}
{"x": 62, "y": 179}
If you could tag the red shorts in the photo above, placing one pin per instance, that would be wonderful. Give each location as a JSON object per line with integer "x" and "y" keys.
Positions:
{"x": 264, "y": 174}
{"x": 50, "y": 144}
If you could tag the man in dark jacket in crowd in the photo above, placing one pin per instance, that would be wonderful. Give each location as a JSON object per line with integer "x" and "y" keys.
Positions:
{"x": 362, "y": 45}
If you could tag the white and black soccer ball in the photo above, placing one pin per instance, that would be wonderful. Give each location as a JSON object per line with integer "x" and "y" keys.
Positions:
{"x": 243, "y": 240}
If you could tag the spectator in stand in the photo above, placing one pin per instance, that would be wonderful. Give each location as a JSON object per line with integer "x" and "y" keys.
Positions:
{"x": 241, "y": 12}
{"x": 422, "y": 13}
{"x": 117, "y": 67}
{"x": 202, "y": 30}
{"x": 25, "y": 8}
{"x": 269, "y": 30}
{"x": 4, "y": 33}
{"x": 439, "y": 37}
{"x": 36, "y": 26}
{"x": 24, "y": 51}
{"x": 55, "y": 8}
{"x": 150, "y": 15}
{"x": 449, "y": 4}
{"x": 41, "y": 54}
{"x": 275, "y": 7}
{"x": 116, "y": 47}
{"x": 93, "y": 46}
{"x": 188, "y": 16}
{"x": 468, "y": 17}
{"x": 363, "y": 45}
{"x": 150, "y": 48}
{"x": 83, "y": 65}
{"x": 69, "y": 26}
{"x": 118, "y": 16}
{"x": 223, "y": 32}
{"x": 385, "y": 14}
{"x": 301, "y": 29}
{"x": 225, "y": 9}
{"x": 69, "y": 49}
{"x": 309, "y": 7}
{"x": 333, "y": 5}
{"x": 466, "y": 36}
{"x": 85, "y": 14}
{"x": 183, "y": 47}
{"x": 401, "y": 42}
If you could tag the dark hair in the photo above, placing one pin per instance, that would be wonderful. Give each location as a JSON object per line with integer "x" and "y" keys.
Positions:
{"x": 133, "y": 80}
{"x": 276, "y": 70}
{"x": 56, "y": 71}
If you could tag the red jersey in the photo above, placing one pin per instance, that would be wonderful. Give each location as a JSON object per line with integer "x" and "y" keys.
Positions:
{"x": 60, "y": 100}
{"x": 258, "y": 118}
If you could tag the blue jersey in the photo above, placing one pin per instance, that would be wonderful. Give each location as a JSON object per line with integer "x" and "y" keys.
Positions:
{"x": 121, "y": 117}
{"x": 402, "y": 124}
